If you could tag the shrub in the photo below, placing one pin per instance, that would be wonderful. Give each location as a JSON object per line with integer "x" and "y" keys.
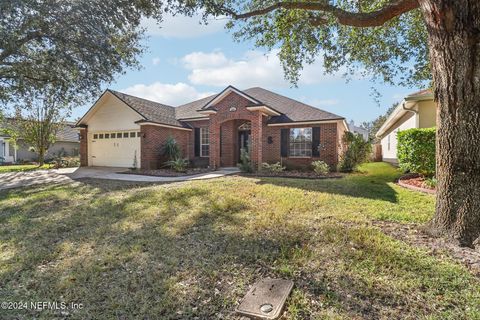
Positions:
{"x": 273, "y": 168}
{"x": 245, "y": 164}
{"x": 65, "y": 162}
{"x": 416, "y": 151}
{"x": 430, "y": 183}
{"x": 320, "y": 167}
{"x": 178, "y": 165}
{"x": 357, "y": 152}
{"x": 171, "y": 149}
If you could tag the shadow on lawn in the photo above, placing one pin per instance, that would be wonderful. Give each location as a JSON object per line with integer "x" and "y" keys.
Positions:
{"x": 179, "y": 254}
{"x": 358, "y": 185}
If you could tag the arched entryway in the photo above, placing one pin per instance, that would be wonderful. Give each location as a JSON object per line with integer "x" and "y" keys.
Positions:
{"x": 235, "y": 135}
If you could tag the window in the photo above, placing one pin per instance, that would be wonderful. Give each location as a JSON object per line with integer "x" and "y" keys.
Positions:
{"x": 107, "y": 135}
{"x": 204, "y": 142}
{"x": 119, "y": 134}
{"x": 301, "y": 142}
{"x": 125, "y": 134}
{"x": 95, "y": 136}
{"x": 132, "y": 134}
{"x": 100, "y": 136}
{"x": 139, "y": 134}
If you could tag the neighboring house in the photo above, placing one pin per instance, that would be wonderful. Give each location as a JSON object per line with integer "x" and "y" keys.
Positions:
{"x": 67, "y": 142}
{"x": 358, "y": 130}
{"x": 120, "y": 129}
{"x": 417, "y": 110}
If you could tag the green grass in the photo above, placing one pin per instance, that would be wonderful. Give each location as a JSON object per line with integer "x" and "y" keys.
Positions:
{"x": 23, "y": 167}
{"x": 191, "y": 250}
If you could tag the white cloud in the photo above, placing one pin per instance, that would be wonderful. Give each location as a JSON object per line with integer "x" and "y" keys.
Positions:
{"x": 170, "y": 94}
{"x": 182, "y": 26}
{"x": 200, "y": 60}
{"x": 254, "y": 68}
{"x": 156, "y": 61}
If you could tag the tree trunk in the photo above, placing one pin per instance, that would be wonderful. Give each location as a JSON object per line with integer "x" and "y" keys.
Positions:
{"x": 454, "y": 41}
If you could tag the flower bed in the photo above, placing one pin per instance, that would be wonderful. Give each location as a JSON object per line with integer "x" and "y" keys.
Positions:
{"x": 167, "y": 172}
{"x": 294, "y": 174}
{"x": 415, "y": 182}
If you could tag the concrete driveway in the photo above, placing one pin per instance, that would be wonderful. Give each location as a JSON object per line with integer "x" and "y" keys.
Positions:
{"x": 29, "y": 178}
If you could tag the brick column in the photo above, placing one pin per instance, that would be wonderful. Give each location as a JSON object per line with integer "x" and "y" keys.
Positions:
{"x": 257, "y": 141}
{"x": 214, "y": 144}
{"x": 84, "y": 147}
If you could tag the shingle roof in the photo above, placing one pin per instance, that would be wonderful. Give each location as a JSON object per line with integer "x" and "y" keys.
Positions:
{"x": 292, "y": 110}
{"x": 66, "y": 133}
{"x": 150, "y": 110}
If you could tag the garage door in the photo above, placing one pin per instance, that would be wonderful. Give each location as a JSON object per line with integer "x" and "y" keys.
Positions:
{"x": 114, "y": 149}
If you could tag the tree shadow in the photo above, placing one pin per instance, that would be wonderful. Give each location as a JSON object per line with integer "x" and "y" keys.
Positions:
{"x": 354, "y": 185}
{"x": 185, "y": 253}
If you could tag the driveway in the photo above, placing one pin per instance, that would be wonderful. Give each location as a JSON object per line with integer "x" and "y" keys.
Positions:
{"x": 29, "y": 178}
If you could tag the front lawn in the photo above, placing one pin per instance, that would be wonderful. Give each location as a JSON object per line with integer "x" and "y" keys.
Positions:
{"x": 23, "y": 167}
{"x": 190, "y": 250}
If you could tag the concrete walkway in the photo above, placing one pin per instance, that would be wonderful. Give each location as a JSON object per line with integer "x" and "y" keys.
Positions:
{"x": 29, "y": 178}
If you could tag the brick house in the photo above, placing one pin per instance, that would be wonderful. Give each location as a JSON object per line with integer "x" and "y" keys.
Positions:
{"x": 121, "y": 130}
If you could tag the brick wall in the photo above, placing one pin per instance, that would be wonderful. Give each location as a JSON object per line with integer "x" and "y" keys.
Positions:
{"x": 83, "y": 147}
{"x": 226, "y": 114}
{"x": 152, "y": 141}
{"x": 328, "y": 142}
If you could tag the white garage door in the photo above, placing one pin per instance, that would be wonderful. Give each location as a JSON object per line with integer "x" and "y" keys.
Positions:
{"x": 114, "y": 149}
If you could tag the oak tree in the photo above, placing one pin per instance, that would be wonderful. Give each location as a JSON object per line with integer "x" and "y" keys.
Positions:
{"x": 397, "y": 41}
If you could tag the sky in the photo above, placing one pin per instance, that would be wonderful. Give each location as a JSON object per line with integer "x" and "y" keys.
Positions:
{"x": 185, "y": 61}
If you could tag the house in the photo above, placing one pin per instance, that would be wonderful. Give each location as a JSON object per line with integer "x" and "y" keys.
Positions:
{"x": 121, "y": 130}
{"x": 417, "y": 110}
{"x": 67, "y": 142}
{"x": 358, "y": 130}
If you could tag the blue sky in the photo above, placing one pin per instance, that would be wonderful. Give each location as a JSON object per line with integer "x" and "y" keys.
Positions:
{"x": 185, "y": 61}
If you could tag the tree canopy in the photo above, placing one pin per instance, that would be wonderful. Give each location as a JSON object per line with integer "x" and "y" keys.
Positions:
{"x": 393, "y": 49}
{"x": 74, "y": 45}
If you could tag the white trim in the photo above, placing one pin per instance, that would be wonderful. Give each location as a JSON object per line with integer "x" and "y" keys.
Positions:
{"x": 86, "y": 117}
{"x": 204, "y": 144}
{"x": 194, "y": 119}
{"x": 396, "y": 115}
{"x": 266, "y": 110}
{"x": 162, "y": 125}
{"x": 303, "y": 123}
{"x": 408, "y": 102}
{"x": 207, "y": 112}
{"x": 225, "y": 93}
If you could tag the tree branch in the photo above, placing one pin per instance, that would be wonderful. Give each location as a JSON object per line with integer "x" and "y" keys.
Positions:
{"x": 355, "y": 19}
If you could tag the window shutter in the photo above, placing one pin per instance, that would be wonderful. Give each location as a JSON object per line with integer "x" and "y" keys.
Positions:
{"x": 315, "y": 141}
{"x": 197, "y": 142}
{"x": 284, "y": 141}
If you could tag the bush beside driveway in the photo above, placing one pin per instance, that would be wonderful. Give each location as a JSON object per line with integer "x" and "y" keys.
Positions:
{"x": 190, "y": 250}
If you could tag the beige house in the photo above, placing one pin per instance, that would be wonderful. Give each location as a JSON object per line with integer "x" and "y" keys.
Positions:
{"x": 417, "y": 110}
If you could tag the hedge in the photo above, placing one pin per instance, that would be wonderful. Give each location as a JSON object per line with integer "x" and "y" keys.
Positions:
{"x": 416, "y": 150}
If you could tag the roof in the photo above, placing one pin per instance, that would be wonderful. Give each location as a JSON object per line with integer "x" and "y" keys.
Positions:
{"x": 403, "y": 108}
{"x": 290, "y": 110}
{"x": 66, "y": 133}
{"x": 150, "y": 110}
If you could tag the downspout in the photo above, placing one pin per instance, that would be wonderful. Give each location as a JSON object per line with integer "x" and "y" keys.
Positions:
{"x": 415, "y": 112}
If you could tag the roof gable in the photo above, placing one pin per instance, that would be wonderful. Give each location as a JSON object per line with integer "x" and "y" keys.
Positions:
{"x": 219, "y": 97}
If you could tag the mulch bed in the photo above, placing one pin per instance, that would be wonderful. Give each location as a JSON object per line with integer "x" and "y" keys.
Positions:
{"x": 167, "y": 172}
{"x": 294, "y": 174}
{"x": 414, "y": 235}
{"x": 415, "y": 182}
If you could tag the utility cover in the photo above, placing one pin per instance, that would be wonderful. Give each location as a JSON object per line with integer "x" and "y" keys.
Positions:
{"x": 266, "y": 299}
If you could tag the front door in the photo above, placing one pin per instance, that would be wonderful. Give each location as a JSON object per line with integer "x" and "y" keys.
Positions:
{"x": 243, "y": 142}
